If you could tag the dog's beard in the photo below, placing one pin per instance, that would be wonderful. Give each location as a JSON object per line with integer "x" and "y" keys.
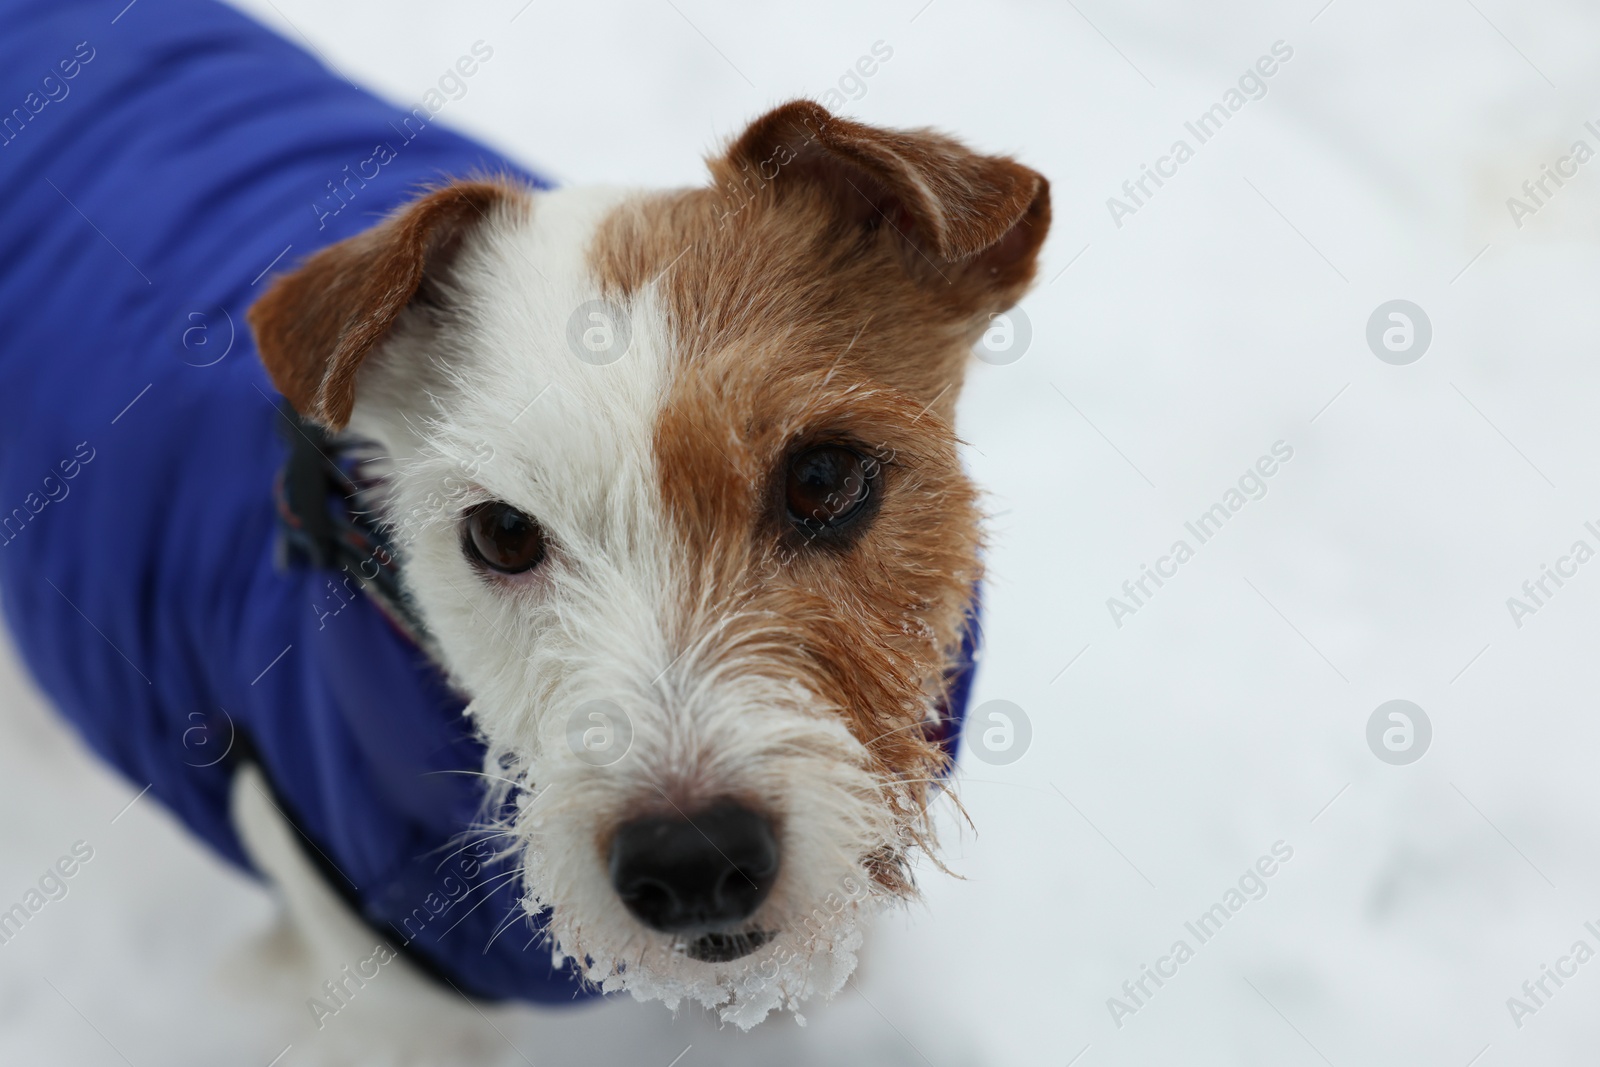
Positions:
{"x": 842, "y": 847}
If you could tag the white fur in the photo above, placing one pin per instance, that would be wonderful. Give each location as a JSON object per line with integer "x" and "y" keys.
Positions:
{"x": 494, "y": 405}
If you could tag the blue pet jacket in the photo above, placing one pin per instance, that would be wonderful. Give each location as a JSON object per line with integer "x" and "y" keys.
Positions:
{"x": 159, "y": 161}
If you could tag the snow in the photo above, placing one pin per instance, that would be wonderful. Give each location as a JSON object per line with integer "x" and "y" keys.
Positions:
{"x": 1229, "y": 712}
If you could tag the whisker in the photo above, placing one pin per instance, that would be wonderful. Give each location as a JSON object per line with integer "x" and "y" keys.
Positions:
{"x": 501, "y": 878}
{"x": 477, "y": 774}
{"x": 516, "y": 911}
{"x": 478, "y": 837}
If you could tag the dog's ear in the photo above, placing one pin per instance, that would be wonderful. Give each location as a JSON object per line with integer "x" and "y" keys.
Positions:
{"x": 316, "y": 326}
{"x": 971, "y": 223}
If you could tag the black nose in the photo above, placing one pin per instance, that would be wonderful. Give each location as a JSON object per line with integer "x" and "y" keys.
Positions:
{"x": 704, "y": 872}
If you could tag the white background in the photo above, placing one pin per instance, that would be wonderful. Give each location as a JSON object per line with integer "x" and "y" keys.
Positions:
{"x": 1171, "y": 353}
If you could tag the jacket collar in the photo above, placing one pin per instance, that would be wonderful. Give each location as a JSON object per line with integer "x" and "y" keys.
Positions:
{"x": 325, "y": 521}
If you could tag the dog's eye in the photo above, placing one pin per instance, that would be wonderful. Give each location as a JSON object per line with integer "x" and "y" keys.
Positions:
{"x": 828, "y": 487}
{"x": 503, "y": 538}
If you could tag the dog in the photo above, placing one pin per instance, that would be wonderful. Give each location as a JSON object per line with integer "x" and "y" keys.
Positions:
{"x": 643, "y": 508}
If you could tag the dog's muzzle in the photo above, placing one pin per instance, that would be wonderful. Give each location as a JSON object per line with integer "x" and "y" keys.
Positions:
{"x": 700, "y": 876}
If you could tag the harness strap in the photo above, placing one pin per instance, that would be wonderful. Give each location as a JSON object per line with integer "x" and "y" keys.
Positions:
{"x": 323, "y": 524}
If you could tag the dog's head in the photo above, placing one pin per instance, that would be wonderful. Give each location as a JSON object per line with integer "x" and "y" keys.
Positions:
{"x": 677, "y": 493}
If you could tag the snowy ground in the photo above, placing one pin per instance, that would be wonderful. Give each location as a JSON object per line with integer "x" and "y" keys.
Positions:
{"x": 1227, "y": 714}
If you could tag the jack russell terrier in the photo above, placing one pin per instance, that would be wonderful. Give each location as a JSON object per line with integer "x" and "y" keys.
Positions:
{"x": 576, "y": 585}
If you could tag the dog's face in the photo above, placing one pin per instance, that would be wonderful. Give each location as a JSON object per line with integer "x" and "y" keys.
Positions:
{"x": 678, "y": 496}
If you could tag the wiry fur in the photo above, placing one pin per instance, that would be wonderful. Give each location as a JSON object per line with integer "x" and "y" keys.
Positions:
{"x": 751, "y": 663}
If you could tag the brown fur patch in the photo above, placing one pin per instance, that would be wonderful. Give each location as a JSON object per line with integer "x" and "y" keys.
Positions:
{"x": 315, "y": 326}
{"x": 811, "y": 232}
{"x": 828, "y": 288}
